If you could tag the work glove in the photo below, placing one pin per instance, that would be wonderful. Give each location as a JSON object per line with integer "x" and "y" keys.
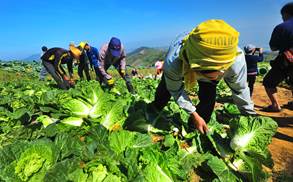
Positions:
{"x": 110, "y": 82}
{"x": 122, "y": 72}
{"x": 71, "y": 82}
{"x": 65, "y": 78}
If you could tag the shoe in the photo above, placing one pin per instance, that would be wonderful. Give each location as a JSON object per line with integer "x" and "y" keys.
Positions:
{"x": 270, "y": 108}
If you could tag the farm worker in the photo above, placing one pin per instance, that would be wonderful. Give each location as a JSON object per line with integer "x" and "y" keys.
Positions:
{"x": 53, "y": 60}
{"x": 83, "y": 64}
{"x": 43, "y": 71}
{"x": 113, "y": 53}
{"x": 93, "y": 55}
{"x": 207, "y": 54}
{"x": 251, "y": 61}
{"x": 282, "y": 67}
{"x": 135, "y": 74}
{"x": 159, "y": 68}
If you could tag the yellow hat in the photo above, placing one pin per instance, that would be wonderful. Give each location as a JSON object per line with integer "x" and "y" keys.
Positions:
{"x": 83, "y": 44}
{"x": 212, "y": 45}
{"x": 75, "y": 51}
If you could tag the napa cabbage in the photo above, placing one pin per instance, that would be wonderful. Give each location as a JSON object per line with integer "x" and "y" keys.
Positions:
{"x": 250, "y": 137}
{"x": 101, "y": 107}
{"x": 154, "y": 172}
{"x": 45, "y": 120}
{"x": 28, "y": 161}
{"x": 116, "y": 115}
{"x": 88, "y": 91}
{"x": 252, "y": 134}
{"x": 36, "y": 160}
{"x": 77, "y": 107}
{"x": 74, "y": 121}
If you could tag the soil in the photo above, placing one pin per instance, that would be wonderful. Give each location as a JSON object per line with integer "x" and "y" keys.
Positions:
{"x": 282, "y": 143}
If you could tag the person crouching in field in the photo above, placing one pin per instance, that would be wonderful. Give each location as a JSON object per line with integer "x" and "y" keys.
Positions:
{"x": 282, "y": 67}
{"x": 251, "y": 61}
{"x": 53, "y": 60}
{"x": 208, "y": 53}
{"x": 113, "y": 53}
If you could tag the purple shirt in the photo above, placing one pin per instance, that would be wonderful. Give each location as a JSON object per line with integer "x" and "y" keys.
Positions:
{"x": 106, "y": 60}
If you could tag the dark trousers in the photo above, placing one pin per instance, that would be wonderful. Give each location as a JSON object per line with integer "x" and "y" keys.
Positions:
{"x": 63, "y": 84}
{"x": 278, "y": 73}
{"x": 251, "y": 80}
{"x": 84, "y": 67}
{"x": 206, "y": 95}
{"x": 99, "y": 76}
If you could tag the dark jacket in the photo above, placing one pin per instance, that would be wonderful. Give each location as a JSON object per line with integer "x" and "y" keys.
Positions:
{"x": 282, "y": 36}
{"x": 251, "y": 62}
{"x": 59, "y": 56}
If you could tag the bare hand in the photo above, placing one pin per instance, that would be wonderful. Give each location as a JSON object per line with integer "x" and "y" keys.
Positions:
{"x": 260, "y": 50}
{"x": 200, "y": 124}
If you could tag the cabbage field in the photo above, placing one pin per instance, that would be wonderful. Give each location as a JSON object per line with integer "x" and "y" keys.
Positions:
{"x": 92, "y": 134}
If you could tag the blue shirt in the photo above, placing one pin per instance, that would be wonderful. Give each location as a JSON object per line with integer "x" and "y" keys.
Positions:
{"x": 282, "y": 36}
{"x": 93, "y": 55}
{"x": 251, "y": 62}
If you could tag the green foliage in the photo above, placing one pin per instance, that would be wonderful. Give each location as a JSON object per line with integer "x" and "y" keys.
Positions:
{"x": 92, "y": 134}
{"x": 252, "y": 134}
{"x": 30, "y": 162}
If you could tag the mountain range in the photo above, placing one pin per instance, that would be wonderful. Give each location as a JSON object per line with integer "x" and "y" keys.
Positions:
{"x": 145, "y": 56}
{"x": 34, "y": 57}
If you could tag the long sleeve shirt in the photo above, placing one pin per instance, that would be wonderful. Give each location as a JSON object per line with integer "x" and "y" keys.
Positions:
{"x": 235, "y": 77}
{"x": 251, "y": 62}
{"x": 106, "y": 60}
{"x": 58, "y": 56}
{"x": 93, "y": 55}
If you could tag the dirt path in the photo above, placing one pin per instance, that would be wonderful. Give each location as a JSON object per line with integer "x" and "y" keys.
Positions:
{"x": 282, "y": 145}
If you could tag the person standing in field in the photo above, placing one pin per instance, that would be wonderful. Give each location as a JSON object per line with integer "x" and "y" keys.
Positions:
{"x": 43, "y": 72}
{"x": 282, "y": 67}
{"x": 53, "y": 60}
{"x": 113, "y": 53}
{"x": 207, "y": 54}
{"x": 252, "y": 58}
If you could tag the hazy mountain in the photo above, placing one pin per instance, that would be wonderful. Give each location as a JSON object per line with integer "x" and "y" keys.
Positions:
{"x": 34, "y": 57}
{"x": 145, "y": 56}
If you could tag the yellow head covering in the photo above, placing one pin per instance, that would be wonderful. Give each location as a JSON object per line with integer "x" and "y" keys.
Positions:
{"x": 212, "y": 45}
{"x": 83, "y": 44}
{"x": 75, "y": 51}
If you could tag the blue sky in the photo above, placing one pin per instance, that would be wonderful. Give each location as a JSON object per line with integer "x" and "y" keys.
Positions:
{"x": 29, "y": 24}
